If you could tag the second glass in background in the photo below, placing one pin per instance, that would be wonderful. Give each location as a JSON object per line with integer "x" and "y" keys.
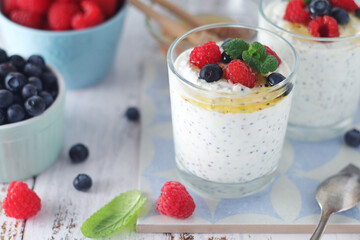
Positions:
{"x": 328, "y": 87}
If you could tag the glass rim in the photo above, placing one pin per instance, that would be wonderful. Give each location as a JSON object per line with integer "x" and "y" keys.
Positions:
{"x": 318, "y": 39}
{"x": 268, "y": 90}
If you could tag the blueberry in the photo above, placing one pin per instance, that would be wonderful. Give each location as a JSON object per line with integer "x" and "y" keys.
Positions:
{"x": 3, "y": 56}
{"x": 2, "y": 117}
{"x": 54, "y": 93}
{"x": 225, "y": 58}
{"x": 18, "y": 61}
{"x": 6, "y": 68}
{"x": 357, "y": 12}
{"x": 6, "y": 98}
{"x": 341, "y": 15}
{"x": 319, "y": 8}
{"x": 78, "y": 153}
{"x": 211, "y": 73}
{"x": 36, "y": 82}
{"x": 48, "y": 98}
{"x": 275, "y": 78}
{"x": 37, "y": 60}
{"x": 49, "y": 79}
{"x": 29, "y": 90}
{"x": 15, "y": 113}
{"x": 352, "y": 138}
{"x": 82, "y": 182}
{"x": 226, "y": 41}
{"x": 132, "y": 114}
{"x": 15, "y": 81}
{"x": 31, "y": 69}
{"x": 35, "y": 105}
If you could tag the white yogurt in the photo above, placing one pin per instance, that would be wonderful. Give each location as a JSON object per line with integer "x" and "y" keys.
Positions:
{"x": 224, "y": 147}
{"x": 327, "y": 86}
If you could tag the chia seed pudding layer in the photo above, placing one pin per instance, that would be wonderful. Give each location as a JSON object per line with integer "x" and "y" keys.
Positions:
{"x": 327, "y": 86}
{"x": 226, "y": 139}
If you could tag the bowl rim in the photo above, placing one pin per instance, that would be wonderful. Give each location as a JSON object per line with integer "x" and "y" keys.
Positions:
{"x": 58, "y": 101}
{"x": 109, "y": 21}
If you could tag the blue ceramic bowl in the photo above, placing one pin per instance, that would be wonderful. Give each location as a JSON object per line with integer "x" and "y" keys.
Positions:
{"x": 31, "y": 146}
{"x": 83, "y": 57}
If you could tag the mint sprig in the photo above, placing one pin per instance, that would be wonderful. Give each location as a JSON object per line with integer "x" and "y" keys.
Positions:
{"x": 235, "y": 48}
{"x": 257, "y": 58}
{"x": 113, "y": 216}
{"x": 270, "y": 64}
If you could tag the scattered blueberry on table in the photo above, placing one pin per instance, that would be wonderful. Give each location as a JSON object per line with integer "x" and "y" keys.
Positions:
{"x": 132, "y": 114}
{"x": 27, "y": 87}
{"x": 82, "y": 182}
{"x": 352, "y": 138}
{"x": 78, "y": 153}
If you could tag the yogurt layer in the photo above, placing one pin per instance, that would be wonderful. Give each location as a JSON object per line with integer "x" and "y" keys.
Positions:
{"x": 327, "y": 86}
{"x": 223, "y": 142}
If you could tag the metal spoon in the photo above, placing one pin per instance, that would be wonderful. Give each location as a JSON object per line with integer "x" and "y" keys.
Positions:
{"x": 336, "y": 194}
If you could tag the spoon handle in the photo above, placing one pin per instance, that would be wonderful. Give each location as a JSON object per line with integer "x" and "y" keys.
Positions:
{"x": 325, "y": 215}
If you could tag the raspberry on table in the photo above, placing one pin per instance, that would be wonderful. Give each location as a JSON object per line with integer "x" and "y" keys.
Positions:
{"x": 36, "y": 6}
{"x": 272, "y": 52}
{"x": 238, "y": 71}
{"x": 27, "y": 18}
{"x": 208, "y": 53}
{"x": 295, "y": 12}
{"x": 20, "y": 201}
{"x": 175, "y": 201}
{"x": 92, "y": 16}
{"x": 348, "y": 5}
{"x": 324, "y": 27}
{"x": 60, "y": 15}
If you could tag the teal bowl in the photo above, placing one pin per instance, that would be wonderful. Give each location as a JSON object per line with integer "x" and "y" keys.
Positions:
{"x": 31, "y": 146}
{"x": 83, "y": 57}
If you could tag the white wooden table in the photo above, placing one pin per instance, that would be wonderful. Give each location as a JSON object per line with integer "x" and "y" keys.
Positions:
{"x": 95, "y": 117}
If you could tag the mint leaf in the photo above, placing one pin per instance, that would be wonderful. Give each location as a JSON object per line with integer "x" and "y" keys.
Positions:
{"x": 270, "y": 64}
{"x": 257, "y": 50}
{"x": 254, "y": 63}
{"x": 235, "y": 48}
{"x": 113, "y": 216}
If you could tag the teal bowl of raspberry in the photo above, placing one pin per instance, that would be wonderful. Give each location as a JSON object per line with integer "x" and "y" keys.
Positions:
{"x": 83, "y": 57}
{"x": 31, "y": 146}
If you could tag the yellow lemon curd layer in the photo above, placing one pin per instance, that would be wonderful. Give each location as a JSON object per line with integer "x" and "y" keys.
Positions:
{"x": 249, "y": 104}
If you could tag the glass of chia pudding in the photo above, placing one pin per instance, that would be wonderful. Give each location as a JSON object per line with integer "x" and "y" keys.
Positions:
{"x": 230, "y": 98}
{"x": 326, "y": 35}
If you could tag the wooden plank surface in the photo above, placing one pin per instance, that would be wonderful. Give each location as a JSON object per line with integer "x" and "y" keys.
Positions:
{"x": 95, "y": 117}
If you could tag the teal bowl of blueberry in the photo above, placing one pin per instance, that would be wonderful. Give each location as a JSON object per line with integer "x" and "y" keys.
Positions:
{"x": 32, "y": 97}
{"x": 79, "y": 38}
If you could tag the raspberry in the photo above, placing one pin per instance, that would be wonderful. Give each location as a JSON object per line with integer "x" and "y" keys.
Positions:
{"x": 175, "y": 201}
{"x": 272, "y": 52}
{"x": 324, "y": 27}
{"x": 21, "y": 202}
{"x": 108, "y": 7}
{"x": 8, "y": 6}
{"x": 295, "y": 12}
{"x": 92, "y": 16}
{"x": 60, "y": 15}
{"x": 238, "y": 71}
{"x": 37, "y": 6}
{"x": 348, "y": 5}
{"x": 26, "y": 18}
{"x": 208, "y": 53}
